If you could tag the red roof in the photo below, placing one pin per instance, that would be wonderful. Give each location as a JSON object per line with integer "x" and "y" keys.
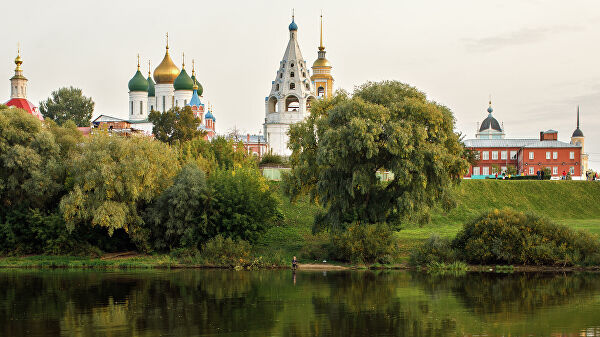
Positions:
{"x": 23, "y": 103}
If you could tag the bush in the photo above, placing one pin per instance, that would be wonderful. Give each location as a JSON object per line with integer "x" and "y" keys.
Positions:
{"x": 510, "y": 237}
{"x": 227, "y": 252}
{"x": 272, "y": 159}
{"x": 434, "y": 250}
{"x": 242, "y": 205}
{"x": 178, "y": 216}
{"x": 366, "y": 243}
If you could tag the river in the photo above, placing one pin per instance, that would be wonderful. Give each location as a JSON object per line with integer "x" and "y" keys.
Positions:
{"x": 280, "y": 303}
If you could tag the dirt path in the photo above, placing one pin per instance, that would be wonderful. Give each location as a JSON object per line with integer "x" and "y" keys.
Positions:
{"x": 323, "y": 266}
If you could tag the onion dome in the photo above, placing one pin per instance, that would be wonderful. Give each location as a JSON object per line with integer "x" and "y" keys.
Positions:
{"x": 150, "y": 86}
{"x": 197, "y": 84}
{"x": 293, "y": 25}
{"x": 183, "y": 81}
{"x": 321, "y": 62}
{"x": 138, "y": 82}
{"x": 209, "y": 115}
{"x": 490, "y": 122}
{"x": 167, "y": 71}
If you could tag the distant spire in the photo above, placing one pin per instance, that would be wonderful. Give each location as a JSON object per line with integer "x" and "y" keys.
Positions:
{"x": 321, "y": 44}
{"x": 183, "y": 60}
{"x": 489, "y": 109}
{"x": 292, "y": 15}
{"x": 148, "y": 68}
{"x": 138, "y": 57}
{"x": 193, "y": 68}
{"x": 167, "y": 41}
{"x": 578, "y": 116}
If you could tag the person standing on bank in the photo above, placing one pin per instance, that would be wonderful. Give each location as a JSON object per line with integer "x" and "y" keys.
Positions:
{"x": 294, "y": 263}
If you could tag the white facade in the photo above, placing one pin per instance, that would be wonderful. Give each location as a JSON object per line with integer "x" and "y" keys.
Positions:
{"x": 151, "y": 103}
{"x": 165, "y": 96}
{"x": 138, "y": 105}
{"x": 290, "y": 96}
{"x": 183, "y": 97}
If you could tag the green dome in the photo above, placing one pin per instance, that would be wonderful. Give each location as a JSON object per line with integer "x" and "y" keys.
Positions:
{"x": 200, "y": 89}
{"x": 150, "y": 86}
{"x": 183, "y": 81}
{"x": 138, "y": 82}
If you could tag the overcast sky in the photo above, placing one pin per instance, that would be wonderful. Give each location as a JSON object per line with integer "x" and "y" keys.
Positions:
{"x": 537, "y": 59}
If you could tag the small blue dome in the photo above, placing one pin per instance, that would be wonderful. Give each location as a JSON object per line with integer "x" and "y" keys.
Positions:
{"x": 209, "y": 115}
{"x": 293, "y": 25}
{"x": 490, "y": 110}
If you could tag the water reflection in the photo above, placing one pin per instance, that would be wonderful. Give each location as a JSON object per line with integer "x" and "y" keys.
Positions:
{"x": 280, "y": 303}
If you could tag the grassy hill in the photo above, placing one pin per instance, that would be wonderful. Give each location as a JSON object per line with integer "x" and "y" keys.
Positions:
{"x": 573, "y": 203}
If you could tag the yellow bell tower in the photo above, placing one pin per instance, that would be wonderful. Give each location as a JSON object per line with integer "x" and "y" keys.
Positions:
{"x": 321, "y": 78}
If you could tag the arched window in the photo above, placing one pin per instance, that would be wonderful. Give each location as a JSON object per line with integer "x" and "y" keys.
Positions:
{"x": 292, "y": 103}
{"x": 141, "y": 108}
{"x": 131, "y": 108}
{"x": 280, "y": 75}
{"x": 307, "y": 86}
{"x": 292, "y": 86}
{"x": 321, "y": 92}
{"x": 277, "y": 87}
{"x": 291, "y": 64}
{"x": 292, "y": 74}
{"x": 164, "y": 103}
{"x": 303, "y": 74}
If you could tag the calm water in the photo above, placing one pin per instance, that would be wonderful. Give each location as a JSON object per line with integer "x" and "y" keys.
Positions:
{"x": 275, "y": 303}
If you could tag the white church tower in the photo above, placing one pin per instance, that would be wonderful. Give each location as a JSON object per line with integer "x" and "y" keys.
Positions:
{"x": 290, "y": 96}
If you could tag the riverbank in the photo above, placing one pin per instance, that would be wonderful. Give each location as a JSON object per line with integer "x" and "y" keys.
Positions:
{"x": 293, "y": 235}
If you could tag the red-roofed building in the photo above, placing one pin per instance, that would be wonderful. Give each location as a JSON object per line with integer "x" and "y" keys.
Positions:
{"x": 18, "y": 91}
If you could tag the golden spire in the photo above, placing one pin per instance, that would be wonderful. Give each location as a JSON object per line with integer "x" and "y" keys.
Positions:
{"x": 18, "y": 60}
{"x": 138, "y": 56}
{"x": 167, "y": 42}
{"x": 292, "y": 14}
{"x": 183, "y": 61}
{"x": 149, "y": 68}
{"x": 193, "y": 68}
{"x": 321, "y": 45}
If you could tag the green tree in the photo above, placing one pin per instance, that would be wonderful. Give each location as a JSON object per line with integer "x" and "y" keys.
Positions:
{"x": 113, "y": 179}
{"x": 68, "y": 104}
{"x": 242, "y": 204}
{"x": 30, "y": 161}
{"x": 176, "y": 124}
{"x": 389, "y": 125}
{"x": 178, "y": 216}
{"x": 219, "y": 152}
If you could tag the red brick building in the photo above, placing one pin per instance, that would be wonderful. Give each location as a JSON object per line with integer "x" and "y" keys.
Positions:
{"x": 526, "y": 156}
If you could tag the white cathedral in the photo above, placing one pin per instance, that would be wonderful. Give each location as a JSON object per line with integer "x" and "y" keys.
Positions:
{"x": 293, "y": 90}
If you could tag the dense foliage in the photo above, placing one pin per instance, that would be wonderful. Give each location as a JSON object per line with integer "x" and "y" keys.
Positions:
{"x": 510, "y": 237}
{"x": 178, "y": 217}
{"x": 176, "y": 124}
{"x": 345, "y": 141}
{"x": 113, "y": 179}
{"x": 68, "y": 104}
{"x": 434, "y": 250}
{"x": 364, "y": 244}
{"x": 242, "y": 206}
{"x": 219, "y": 153}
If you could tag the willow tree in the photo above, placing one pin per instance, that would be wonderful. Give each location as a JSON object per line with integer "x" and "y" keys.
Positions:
{"x": 113, "y": 179}
{"x": 385, "y": 126}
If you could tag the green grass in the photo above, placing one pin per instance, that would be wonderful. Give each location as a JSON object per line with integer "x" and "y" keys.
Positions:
{"x": 572, "y": 203}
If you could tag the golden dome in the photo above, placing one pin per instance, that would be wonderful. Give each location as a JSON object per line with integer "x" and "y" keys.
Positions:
{"x": 167, "y": 71}
{"x": 321, "y": 62}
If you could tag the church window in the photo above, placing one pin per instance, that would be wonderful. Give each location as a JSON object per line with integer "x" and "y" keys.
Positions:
{"x": 307, "y": 86}
{"x": 292, "y": 86}
{"x": 291, "y": 64}
{"x": 131, "y": 108}
{"x": 292, "y": 103}
{"x": 141, "y": 108}
{"x": 292, "y": 74}
{"x": 277, "y": 87}
{"x": 184, "y": 102}
{"x": 280, "y": 75}
{"x": 303, "y": 74}
{"x": 164, "y": 103}
{"x": 321, "y": 92}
